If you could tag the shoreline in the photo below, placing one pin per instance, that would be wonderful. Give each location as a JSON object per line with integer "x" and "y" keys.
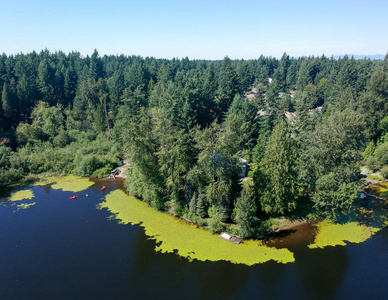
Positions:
{"x": 275, "y": 227}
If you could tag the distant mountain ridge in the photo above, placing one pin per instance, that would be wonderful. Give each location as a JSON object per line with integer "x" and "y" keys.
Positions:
{"x": 372, "y": 57}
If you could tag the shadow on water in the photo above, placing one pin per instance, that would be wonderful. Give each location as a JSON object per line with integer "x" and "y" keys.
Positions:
{"x": 294, "y": 238}
{"x": 175, "y": 277}
{"x": 47, "y": 188}
{"x": 322, "y": 271}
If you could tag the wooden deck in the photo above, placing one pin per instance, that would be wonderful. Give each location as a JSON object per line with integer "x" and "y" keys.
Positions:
{"x": 230, "y": 238}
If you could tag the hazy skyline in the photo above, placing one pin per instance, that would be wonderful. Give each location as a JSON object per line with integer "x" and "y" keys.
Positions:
{"x": 197, "y": 29}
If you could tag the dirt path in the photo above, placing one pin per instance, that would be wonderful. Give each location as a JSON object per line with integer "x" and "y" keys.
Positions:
{"x": 123, "y": 169}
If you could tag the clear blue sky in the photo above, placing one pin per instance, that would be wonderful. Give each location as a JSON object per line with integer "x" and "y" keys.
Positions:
{"x": 197, "y": 29}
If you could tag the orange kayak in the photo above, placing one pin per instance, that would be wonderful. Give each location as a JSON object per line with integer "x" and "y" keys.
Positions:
{"x": 103, "y": 188}
{"x": 73, "y": 197}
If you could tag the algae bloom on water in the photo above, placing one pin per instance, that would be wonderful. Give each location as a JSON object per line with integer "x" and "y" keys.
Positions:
{"x": 24, "y": 206}
{"x": 22, "y": 195}
{"x": 380, "y": 189}
{"x": 332, "y": 234}
{"x": 172, "y": 234}
{"x": 71, "y": 183}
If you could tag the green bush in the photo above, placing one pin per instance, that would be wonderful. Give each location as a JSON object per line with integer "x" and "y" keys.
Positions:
{"x": 370, "y": 149}
{"x": 231, "y": 230}
{"x": 102, "y": 172}
{"x": 5, "y": 154}
{"x": 384, "y": 171}
{"x": 376, "y": 177}
{"x": 10, "y": 175}
{"x": 87, "y": 165}
{"x": 381, "y": 155}
{"x": 215, "y": 223}
{"x": 62, "y": 139}
{"x": 265, "y": 227}
{"x": 196, "y": 219}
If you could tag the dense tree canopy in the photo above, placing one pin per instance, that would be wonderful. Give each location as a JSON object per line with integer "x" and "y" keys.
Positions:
{"x": 189, "y": 129}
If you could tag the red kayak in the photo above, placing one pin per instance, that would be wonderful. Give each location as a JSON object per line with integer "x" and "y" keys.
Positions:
{"x": 103, "y": 188}
{"x": 73, "y": 197}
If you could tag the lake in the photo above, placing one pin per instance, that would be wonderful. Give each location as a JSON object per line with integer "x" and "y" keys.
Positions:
{"x": 68, "y": 249}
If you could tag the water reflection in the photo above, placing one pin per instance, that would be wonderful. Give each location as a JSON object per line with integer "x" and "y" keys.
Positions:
{"x": 269, "y": 276}
{"x": 169, "y": 272}
{"x": 322, "y": 271}
{"x": 297, "y": 237}
{"x": 47, "y": 188}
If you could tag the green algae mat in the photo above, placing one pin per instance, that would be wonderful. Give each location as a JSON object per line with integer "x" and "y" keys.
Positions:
{"x": 193, "y": 242}
{"x": 380, "y": 189}
{"x": 67, "y": 183}
{"x": 172, "y": 234}
{"x": 24, "y": 206}
{"x": 358, "y": 225}
{"x": 22, "y": 195}
{"x": 333, "y": 234}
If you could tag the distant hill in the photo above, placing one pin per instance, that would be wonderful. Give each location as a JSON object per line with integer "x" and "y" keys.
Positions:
{"x": 376, "y": 56}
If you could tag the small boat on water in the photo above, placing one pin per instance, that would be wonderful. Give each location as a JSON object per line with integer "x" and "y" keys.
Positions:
{"x": 73, "y": 197}
{"x": 103, "y": 188}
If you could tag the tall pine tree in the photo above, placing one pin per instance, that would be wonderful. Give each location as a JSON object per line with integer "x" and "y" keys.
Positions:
{"x": 278, "y": 172}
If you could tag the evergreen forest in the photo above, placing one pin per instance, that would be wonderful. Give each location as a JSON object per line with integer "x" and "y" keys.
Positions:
{"x": 218, "y": 142}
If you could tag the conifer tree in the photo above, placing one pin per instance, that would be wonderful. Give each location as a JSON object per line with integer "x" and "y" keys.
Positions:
{"x": 5, "y": 101}
{"x": 278, "y": 180}
{"x": 227, "y": 85}
{"x": 201, "y": 205}
{"x": 9, "y": 104}
{"x": 246, "y": 214}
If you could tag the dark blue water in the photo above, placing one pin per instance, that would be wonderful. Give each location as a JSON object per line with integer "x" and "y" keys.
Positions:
{"x": 67, "y": 249}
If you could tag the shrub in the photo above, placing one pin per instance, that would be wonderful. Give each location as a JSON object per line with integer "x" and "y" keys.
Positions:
{"x": 87, "y": 165}
{"x": 62, "y": 139}
{"x": 384, "y": 171}
{"x": 102, "y": 172}
{"x": 381, "y": 155}
{"x": 5, "y": 154}
{"x": 10, "y": 175}
{"x": 370, "y": 149}
{"x": 215, "y": 223}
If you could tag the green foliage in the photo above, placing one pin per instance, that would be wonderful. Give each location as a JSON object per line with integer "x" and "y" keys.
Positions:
{"x": 201, "y": 207}
{"x": 215, "y": 223}
{"x": 102, "y": 172}
{"x": 62, "y": 139}
{"x": 369, "y": 150}
{"x": 240, "y": 128}
{"x": 381, "y": 155}
{"x": 246, "y": 214}
{"x": 8, "y": 173}
{"x": 378, "y": 176}
{"x": 141, "y": 144}
{"x": 86, "y": 164}
{"x": 8, "y": 176}
{"x": 265, "y": 227}
{"x": 334, "y": 195}
{"x": 196, "y": 219}
{"x": 214, "y": 171}
{"x": 384, "y": 172}
{"x": 373, "y": 107}
{"x": 49, "y": 119}
{"x": 183, "y": 125}
{"x": 335, "y": 142}
{"x": 5, "y": 154}
{"x": 277, "y": 176}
